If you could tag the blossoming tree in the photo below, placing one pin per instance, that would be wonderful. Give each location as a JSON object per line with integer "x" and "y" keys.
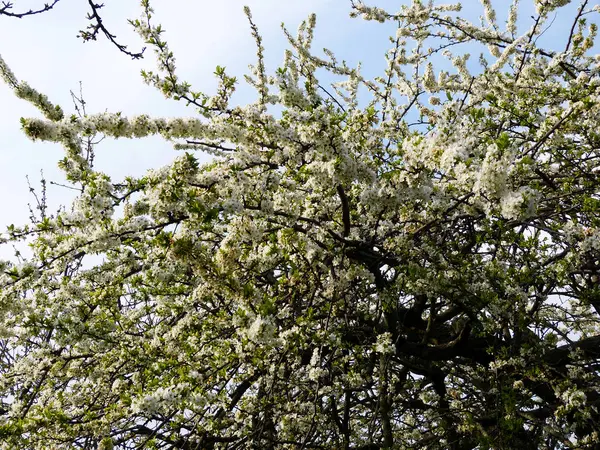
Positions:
{"x": 410, "y": 261}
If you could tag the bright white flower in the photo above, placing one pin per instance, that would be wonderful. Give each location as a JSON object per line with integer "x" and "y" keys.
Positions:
{"x": 384, "y": 344}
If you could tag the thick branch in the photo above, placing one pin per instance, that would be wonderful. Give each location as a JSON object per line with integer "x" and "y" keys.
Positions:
{"x": 345, "y": 210}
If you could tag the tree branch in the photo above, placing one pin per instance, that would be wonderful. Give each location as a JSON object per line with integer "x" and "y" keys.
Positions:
{"x": 7, "y": 6}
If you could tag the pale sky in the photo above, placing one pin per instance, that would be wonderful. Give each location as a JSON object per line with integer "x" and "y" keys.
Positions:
{"x": 44, "y": 51}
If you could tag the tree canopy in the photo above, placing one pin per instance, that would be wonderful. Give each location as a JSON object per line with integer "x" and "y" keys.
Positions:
{"x": 405, "y": 262}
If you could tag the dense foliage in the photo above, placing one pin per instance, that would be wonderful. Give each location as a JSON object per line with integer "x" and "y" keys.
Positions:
{"x": 405, "y": 262}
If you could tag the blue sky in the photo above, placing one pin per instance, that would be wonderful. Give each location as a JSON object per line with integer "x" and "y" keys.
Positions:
{"x": 44, "y": 51}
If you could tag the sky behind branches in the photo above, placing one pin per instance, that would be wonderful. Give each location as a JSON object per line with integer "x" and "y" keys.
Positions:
{"x": 44, "y": 51}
